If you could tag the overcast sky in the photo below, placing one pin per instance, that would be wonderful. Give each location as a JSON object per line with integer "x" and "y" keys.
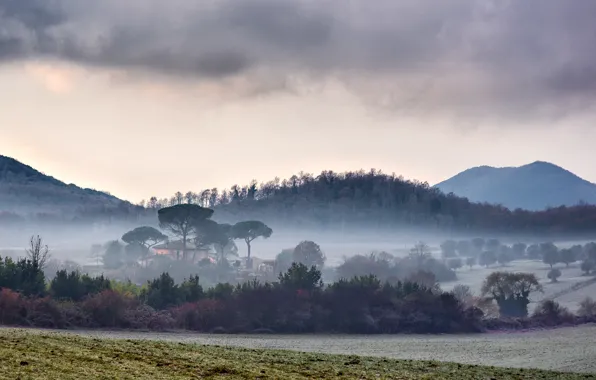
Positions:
{"x": 147, "y": 97}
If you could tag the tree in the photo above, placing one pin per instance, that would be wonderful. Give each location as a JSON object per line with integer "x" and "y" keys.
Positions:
{"x": 309, "y": 253}
{"x": 378, "y": 264}
{"x": 145, "y": 236}
{"x": 511, "y": 291}
{"x": 553, "y": 274}
{"x": 113, "y": 255}
{"x": 38, "y": 253}
{"x": 465, "y": 248}
{"x": 533, "y": 252}
{"x": 478, "y": 244}
{"x": 487, "y": 258}
{"x": 519, "y": 250}
{"x": 463, "y": 294}
{"x": 209, "y": 232}
{"x": 589, "y": 252}
{"x": 471, "y": 261}
{"x": 249, "y": 231}
{"x": 504, "y": 256}
{"x": 567, "y": 256}
{"x": 181, "y": 219}
{"x": 420, "y": 253}
{"x": 550, "y": 253}
{"x": 587, "y": 267}
{"x": 455, "y": 263}
{"x": 162, "y": 293}
{"x": 301, "y": 277}
{"x": 425, "y": 279}
{"x": 133, "y": 253}
{"x": 284, "y": 260}
{"x": 448, "y": 249}
{"x": 141, "y": 239}
{"x": 578, "y": 251}
{"x": 493, "y": 245}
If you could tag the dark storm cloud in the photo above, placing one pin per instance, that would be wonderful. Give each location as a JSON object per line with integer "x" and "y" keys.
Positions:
{"x": 502, "y": 57}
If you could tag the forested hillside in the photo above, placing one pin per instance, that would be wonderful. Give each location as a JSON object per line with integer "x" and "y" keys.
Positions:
{"x": 26, "y": 193}
{"x": 376, "y": 200}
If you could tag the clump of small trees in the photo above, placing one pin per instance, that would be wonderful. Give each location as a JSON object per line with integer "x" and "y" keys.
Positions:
{"x": 189, "y": 223}
{"x": 386, "y": 267}
{"x": 488, "y": 252}
{"x": 511, "y": 291}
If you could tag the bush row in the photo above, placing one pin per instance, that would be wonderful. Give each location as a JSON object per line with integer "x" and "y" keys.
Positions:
{"x": 297, "y": 303}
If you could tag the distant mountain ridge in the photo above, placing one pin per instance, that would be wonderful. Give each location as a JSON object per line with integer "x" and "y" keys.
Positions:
{"x": 535, "y": 186}
{"x": 24, "y": 190}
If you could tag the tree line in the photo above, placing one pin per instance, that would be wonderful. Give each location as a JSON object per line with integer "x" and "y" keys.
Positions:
{"x": 375, "y": 200}
{"x": 487, "y": 252}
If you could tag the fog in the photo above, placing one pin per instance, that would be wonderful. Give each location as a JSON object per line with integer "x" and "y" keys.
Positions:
{"x": 72, "y": 242}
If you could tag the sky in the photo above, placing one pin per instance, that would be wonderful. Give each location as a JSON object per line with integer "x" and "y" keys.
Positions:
{"x": 146, "y": 97}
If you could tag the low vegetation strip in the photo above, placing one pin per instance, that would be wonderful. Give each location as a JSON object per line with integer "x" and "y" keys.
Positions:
{"x": 43, "y": 355}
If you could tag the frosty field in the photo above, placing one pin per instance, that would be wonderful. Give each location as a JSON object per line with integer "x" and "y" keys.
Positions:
{"x": 35, "y": 354}
{"x": 569, "y": 349}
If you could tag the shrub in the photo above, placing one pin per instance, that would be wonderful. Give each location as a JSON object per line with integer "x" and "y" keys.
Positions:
{"x": 587, "y": 308}
{"x": 126, "y": 288}
{"x": 203, "y": 315}
{"x": 550, "y": 313}
{"x": 377, "y": 264}
{"x": 463, "y": 294}
{"x": 554, "y": 274}
{"x": 45, "y": 312}
{"x": 12, "y": 308}
{"x": 108, "y": 308}
{"x": 145, "y": 317}
{"x": 74, "y": 315}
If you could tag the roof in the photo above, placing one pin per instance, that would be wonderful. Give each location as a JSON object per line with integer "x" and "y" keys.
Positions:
{"x": 177, "y": 245}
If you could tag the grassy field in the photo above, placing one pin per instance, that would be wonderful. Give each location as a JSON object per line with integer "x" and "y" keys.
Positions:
{"x": 45, "y": 355}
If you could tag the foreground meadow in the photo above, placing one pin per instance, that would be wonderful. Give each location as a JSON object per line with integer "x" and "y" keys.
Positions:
{"x": 45, "y": 355}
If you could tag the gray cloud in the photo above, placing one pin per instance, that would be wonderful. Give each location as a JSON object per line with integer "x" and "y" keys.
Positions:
{"x": 523, "y": 59}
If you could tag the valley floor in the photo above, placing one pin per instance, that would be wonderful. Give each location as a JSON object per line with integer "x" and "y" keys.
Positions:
{"x": 45, "y": 355}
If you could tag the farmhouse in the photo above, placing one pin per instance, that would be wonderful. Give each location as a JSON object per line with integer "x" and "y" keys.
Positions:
{"x": 174, "y": 249}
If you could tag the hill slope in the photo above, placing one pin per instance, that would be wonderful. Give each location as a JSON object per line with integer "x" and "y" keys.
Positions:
{"x": 372, "y": 201}
{"x": 24, "y": 190}
{"x": 535, "y": 186}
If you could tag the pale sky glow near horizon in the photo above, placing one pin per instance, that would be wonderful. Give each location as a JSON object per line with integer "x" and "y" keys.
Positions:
{"x": 216, "y": 94}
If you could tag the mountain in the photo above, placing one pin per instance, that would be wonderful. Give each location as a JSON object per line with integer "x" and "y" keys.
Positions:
{"x": 535, "y": 186}
{"x": 24, "y": 191}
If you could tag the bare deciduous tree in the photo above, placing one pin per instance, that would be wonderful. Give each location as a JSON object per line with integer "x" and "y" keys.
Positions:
{"x": 38, "y": 252}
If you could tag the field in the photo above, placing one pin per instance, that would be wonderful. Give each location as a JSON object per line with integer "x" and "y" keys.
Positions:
{"x": 46, "y": 355}
{"x": 569, "y": 276}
